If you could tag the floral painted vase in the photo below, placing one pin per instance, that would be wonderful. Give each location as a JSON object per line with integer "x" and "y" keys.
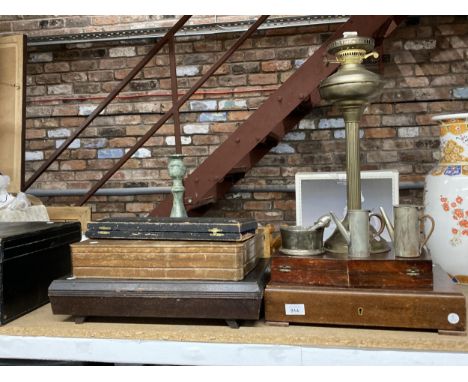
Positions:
{"x": 446, "y": 198}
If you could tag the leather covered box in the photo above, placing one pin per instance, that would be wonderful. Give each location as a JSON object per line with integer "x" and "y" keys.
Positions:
{"x": 32, "y": 255}
{"x": 161, "y": 259}
{"x": 160, "y": 228}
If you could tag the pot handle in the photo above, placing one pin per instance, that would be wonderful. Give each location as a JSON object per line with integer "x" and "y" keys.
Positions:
{"x": 422, "y": 218}
{"x": 382, "y": 223}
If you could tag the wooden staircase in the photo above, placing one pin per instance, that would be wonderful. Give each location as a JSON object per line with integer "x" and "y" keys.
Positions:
{"x": 267, "y": 126}
{"x": 262, "y": 131}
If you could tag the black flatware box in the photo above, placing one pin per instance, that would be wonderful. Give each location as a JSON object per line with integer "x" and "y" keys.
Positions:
{"x": 157, "y": 228}
{"x": 32, "y": 255}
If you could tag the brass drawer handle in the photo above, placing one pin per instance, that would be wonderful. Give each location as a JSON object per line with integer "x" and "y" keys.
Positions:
{"x": 413, "y": 272}
{"x": 284, "y": 268}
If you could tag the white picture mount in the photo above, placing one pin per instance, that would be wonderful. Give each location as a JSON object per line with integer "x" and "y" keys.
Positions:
{"x": 318, "y": 193}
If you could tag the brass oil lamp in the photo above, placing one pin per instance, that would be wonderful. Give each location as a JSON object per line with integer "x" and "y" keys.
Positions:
{"x": 351, "y": 88}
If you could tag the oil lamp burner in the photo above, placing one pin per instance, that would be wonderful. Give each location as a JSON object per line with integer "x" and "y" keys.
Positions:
{"x": 351, "y": 88}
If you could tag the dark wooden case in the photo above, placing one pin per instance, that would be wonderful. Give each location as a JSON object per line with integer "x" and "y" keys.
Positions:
{"x": 226, "y": 300}
{"x": 160, "y": 228}
{"x": 32, "y": 254}
{"x": 442, "y": 308}
{"x": 381, "y": 271}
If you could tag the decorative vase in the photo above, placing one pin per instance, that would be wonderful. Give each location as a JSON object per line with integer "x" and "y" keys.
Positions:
{"x": 446, "y": 198}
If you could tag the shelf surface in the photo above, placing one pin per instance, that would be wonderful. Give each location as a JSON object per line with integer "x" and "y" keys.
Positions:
{"x": 42, "y": 335}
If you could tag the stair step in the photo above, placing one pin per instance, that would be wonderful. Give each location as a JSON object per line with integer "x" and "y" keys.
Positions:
{"x": 201, "y": 202}
{"x": 274, "y": 137}
{"x": 268, "y": 125}
{"x": 238, "y": 170}
{"x": 244, "y": 165}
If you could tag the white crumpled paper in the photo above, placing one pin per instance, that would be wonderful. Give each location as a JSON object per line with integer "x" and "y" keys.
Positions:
{"x": 18, "y": 208}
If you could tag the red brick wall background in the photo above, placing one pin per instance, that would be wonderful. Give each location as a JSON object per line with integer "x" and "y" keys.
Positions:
{"x": 36, "y": 25}
{"x": 424, "y": 66}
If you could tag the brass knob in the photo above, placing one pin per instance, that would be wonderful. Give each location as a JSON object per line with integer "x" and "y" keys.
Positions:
{"x": 375, "y": 55}
{"x": 413, "y": 272}
{"x": 284, "y": 268}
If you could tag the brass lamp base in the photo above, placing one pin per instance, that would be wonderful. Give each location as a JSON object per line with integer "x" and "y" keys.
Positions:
{"x": 336, "y": 243}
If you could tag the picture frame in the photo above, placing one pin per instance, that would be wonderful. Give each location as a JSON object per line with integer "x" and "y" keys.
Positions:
{"x": 318, "y": 193}
{"x": 70, "y": 213}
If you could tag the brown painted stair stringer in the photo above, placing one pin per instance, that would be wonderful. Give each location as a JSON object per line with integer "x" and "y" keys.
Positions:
{"x": 205, "y": 184}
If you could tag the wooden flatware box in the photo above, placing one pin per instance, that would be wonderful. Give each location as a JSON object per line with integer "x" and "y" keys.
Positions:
{"x": 32, "y": 255}
{"x": 441, "y": 308}
{"x": 226, "y": 300}
{"x": 164, "y": 228}
{"x": 379, "y": 271}
{"x": 162, "y": 259}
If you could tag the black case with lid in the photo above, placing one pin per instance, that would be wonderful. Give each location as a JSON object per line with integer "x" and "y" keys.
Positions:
{"x": 164, "y": 228}
{"x": 32, "y": 255}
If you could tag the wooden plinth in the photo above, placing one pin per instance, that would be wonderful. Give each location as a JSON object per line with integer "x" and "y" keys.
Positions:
{"x": 378, "y": 271}
{"x": 441, "y": 308}
{"x": 227, "y": 300}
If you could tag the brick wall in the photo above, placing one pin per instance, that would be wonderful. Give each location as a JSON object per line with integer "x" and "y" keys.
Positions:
{"x": 424, "y": 66}
{"x": 35, "y": 25}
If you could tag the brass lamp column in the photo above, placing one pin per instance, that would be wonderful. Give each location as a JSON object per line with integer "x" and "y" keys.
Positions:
{"x": 352, "y": 114}
{"x": 351, "y": 88}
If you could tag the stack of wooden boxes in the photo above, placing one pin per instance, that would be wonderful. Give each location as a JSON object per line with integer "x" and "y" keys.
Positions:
{"x": 381, "y": 290}
{"x": 165, "y": 267}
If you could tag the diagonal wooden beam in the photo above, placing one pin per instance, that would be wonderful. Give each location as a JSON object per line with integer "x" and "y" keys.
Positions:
{"x": 174, "y": 94}
{"x": 156, "y": 48}
{"x": 170, "y": 112}
{"x": 301, "y": 85}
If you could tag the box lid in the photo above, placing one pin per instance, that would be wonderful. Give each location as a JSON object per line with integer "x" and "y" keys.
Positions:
{"x": 20, "y": 238}
{"x": 172, "y": 228}
{"x": 251, "y": 286}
